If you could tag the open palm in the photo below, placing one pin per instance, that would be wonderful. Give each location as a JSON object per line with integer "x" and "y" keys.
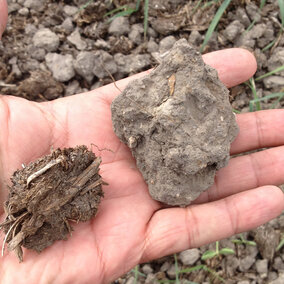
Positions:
{"x": 130, "y": 227}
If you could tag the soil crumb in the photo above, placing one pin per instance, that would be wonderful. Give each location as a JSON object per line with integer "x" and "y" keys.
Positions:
{"x": 179, "y": 125}
{"x": 47, "y": 194}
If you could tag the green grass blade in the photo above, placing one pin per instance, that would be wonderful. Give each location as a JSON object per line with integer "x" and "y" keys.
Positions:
{"x": 236, "y": 111}
{"x": 85, "y": 5}
{"x": 262, "y": 3}
{"x": 191, "y": 269}
{"x": 136, "y": 273}
{"x": 269, "y": 45}
{"x": 146, "y": 13}
{"x": 279, "y": 96}
{"x": 137, "y": 5}
{"x": 281, "y": 244}
{"x": 176, "y": 269}
{"x": 281, "y": 7}
{"x": 122, "y": 14}
{"x": 196, "y": 7}
{"x": 255, "y": 97}
{"x": 214, "y": 23}
{"x": 209, "y": 3}
{"x": 115, "y": 10}
{"x": 270, "y": 73}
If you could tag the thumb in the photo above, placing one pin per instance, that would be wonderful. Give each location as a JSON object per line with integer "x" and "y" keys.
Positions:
{"x": 3, "y": 16}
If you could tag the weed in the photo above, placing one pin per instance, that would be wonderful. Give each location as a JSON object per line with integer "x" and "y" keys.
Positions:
{"x": 243, "y": 241}
{"x": 281, "y": 8}
{"x": 213, "y": 253}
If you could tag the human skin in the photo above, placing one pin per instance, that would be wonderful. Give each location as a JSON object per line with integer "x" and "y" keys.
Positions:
{"x": 131, "y": 227}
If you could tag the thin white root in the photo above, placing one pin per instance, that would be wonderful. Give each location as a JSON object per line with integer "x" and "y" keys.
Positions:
{"x": 10, "y": 229}
{"x": 44, "y": 169}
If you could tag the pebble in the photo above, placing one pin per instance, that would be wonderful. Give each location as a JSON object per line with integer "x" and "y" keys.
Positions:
{"x": 190, "y": 256}
{"x": 75, "y": 39}
{"x": 262, "y": 266}
{"x": 67, "y": 25}
{"x": 152, "y": 46}
{"x": 276, "y": 60}
{"x": 84, "y": 65}
{"x": 278, "y": 263}
{"x": 131, "y": 63}
{"x": 73, "y": 88}
{"x": 165, "y": 266}
{"x": 30, "y": 29}
{"x": 61, "y": 66}
{"x": 131, "y": 280}
{"x": 46, "y": 39}
{"x": 104, "y": 64}
{"x": 135, "y": 34}
{"x": 172, "y": 272}
{"x": 150, "y": 279}
{"x": 119, "y": 26}
{"x": 70, "y": 10}
{"x": 257, "y": 31}
{"x": 166, "y": 44}
{"x": 195, "y": 38}
{"x": 102, "y": 44}
{"x": 279, "y": 280}
{"x": 13, "y": 7}
{"x": 246, "y": 263}
{"x": 36, "y": 52}
{"x": 243, "y": 282}
{"x": 273, "y": 82}
{"x": 24, "y": 11}
{"x": 253, "y": 12}
{"x": 242, "y": 16}
{"x": 147, "y": 269}
{"x": 233, "y": 30}
{"x": 36, "y": 5}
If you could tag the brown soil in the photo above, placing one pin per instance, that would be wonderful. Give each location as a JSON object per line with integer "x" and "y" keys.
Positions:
{"x": 47, "y": 194}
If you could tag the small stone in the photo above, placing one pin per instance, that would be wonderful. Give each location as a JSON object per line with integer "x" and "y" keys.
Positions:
{"x": 67, "y": 25}
{"x": 190, "y": 256}
{"x": 30, "y": 29}
{"x": 276, "y": 60}
{"x": 36, "y": 52}
{"x": 119, "y": 26}
{"x": 46, "y": 39}
{"x": 246, "y": 263}
{"x": 24, "y": 11}
{"x": 13, "y": 7}
{"x": 75, "y": 38}
{"x": 165, "y": 266}
{"x": 104, "y": 64}
{"x": 245, "y": 40}
{"x": 150, "y": 279}
{"x": 262, "y": 266}
{"x": 35, "y": 5}
{"x": 253, "y": 12}
{"x": 131, "y": 280}
{"x": 278, "y": 264}
{"x": 84, "y": 65}
{"x": 152, "y": 46}
{"x": 102, "y": 44}
{"x": 243, "y": 282}
{"x": 172, "y": 272}
{"x": 61, "y": 66}
{"x": 70, "y": 10}
{"x": 257, "y": 31}
{"x": 166, "y": 44}
{"x": 147, "y": 269}
{"x": 135, "y": 34}
{"x": 131, "y": 63}
{"x": 242, "y": 16}
{"x": 272, "y": 275}
{"x": 278, "y": 280}
{"x": 195, "y": 38}
{"x": 72, "y": 88}
{"x": 151, "y": 32}
{"x": 233, "y": 30}
{"x": 273, "y": 82}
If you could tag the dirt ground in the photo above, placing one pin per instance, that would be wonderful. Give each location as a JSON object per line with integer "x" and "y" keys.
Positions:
{"x": 53, "y": 49}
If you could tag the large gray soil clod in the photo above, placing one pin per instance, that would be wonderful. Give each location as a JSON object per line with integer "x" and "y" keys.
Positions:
{"x": 179, "y": 125}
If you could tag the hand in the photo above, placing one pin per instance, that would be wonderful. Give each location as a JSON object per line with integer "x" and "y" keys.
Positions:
{"x": 3, "y": 16}
{"x": 130, "y": 227}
